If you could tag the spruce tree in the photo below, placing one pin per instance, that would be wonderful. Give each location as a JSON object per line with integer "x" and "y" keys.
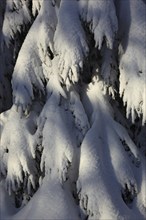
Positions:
{"x": 73, "y": 80}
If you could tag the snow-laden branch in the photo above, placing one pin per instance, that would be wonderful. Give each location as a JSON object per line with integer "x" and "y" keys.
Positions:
{"x": 70, "y": 41}
{"x": 102, "y": 20}
{"x": 16, "y": 150}
{"x": 34, "y": 61}
{"x": 17, "y": 15}
{"x": 132, "y": 61}
{"x": 103, "y": 161}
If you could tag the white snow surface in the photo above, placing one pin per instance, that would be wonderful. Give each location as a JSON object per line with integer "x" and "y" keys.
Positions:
{"x": 51, "y": 201}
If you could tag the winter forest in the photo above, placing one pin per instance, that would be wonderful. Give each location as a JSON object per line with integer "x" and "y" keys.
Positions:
{"x": 73, "y": 109}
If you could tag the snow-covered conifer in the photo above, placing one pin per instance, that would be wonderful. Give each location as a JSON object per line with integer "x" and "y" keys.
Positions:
{"x": 69, "y": 148}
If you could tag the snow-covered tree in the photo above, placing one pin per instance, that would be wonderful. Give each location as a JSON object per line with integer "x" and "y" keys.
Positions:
{"x": 73, "y": 115}
{"x": 16, "y": 19}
